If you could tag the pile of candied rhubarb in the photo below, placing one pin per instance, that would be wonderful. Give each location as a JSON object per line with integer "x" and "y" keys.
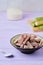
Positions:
{"x": 28, "y": 41}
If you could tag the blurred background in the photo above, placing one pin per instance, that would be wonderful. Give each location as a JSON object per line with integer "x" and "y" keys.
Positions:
{"x": 25, "y": 5}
